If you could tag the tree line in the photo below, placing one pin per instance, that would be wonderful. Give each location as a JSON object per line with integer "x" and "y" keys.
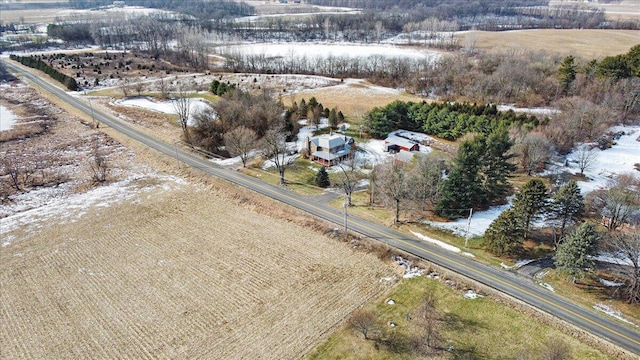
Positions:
{"x": 445, "y": 120}
{"x": 36, "y": 63}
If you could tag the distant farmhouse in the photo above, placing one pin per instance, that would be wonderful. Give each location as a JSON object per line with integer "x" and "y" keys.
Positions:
{"x": 330, "y": 149}
{"x": 403, "y": 140}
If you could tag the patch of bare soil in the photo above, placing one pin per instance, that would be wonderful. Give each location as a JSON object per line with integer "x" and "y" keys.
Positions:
{"x": 147, "y": 265}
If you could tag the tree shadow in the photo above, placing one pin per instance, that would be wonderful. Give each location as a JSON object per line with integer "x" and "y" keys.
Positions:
{"x": 467, "y": 353}
{"x": 454, "y": 322}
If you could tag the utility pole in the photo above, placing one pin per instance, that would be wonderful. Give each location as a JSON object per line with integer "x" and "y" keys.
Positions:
{"x": 466, "y": 236}
{"x": 346, "y": 204}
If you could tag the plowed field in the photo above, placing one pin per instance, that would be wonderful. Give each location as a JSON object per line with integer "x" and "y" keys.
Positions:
{"x": 176, "y": 274}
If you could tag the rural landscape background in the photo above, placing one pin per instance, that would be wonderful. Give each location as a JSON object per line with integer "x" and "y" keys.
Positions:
{"x": 111, "y": 249}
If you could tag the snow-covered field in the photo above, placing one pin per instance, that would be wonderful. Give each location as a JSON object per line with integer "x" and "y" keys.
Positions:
{"x": 619, "y": 159}
{"x": 312, "y": 50}
{"x": 166, "y": 107}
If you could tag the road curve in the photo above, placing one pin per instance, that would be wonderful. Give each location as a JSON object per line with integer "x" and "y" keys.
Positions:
{"x": 501, "y": 280}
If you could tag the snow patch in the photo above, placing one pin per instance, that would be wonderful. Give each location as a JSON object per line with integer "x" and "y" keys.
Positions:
{"x": 470, "y": 294}
{"x": 480, "y": 221}
{"x": 7, "y": 119}
{"x": 441, "y": 244}
{"x": 609, "y": 283}
{"x": 609, "y": 310}
{"x": 409, "y": 271}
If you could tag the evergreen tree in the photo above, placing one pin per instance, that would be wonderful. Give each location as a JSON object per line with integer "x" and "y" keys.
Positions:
{"x": 567, "y": 206}
{"x": 333, "y": 119}
{"x": 505, "y": 234}
{"x": 567, "y": 73}
{"x": 303, "y": 110}
{"x": 322, "y": 178}
{"x": 530, "y": 202}
{"x": 462, "y": 190}
{"x": 574, "y": 253}
{"x": 496, "y": 167}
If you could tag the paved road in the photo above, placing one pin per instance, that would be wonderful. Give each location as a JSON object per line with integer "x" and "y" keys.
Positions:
{"x": 506, "y": 282}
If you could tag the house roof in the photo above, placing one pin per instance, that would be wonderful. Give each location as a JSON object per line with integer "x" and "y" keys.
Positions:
{"x": 329, "y": 141}
{"x": 400, "y": 141}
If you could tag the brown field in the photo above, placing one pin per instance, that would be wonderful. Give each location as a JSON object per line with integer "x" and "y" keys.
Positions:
{"x": 586, "y": 43}
{"x": 354, "y": 100}
{"x": 172, "y": 270}
{"x": 180, "y": 274}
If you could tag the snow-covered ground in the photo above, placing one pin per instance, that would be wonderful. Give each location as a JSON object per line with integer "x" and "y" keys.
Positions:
{"x": 7, "y": 119}
{"x": 480, "y": 221}
{"x": 34, "y": 208}
{"x": 530, "y": 111}
{"x": 441, "y": 244}
{"x": 609, "y": 310}
{"x": 166, "y": 107}
{"x": 292, "y": 50}
{"x": 619, "y": 159}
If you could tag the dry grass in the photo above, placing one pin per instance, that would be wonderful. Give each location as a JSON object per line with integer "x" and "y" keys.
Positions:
{"x": 354, "y": 100}
{"x": 586, "y": 43}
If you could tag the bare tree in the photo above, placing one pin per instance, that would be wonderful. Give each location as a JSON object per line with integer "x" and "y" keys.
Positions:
{"x": 125, "y": 88}
{"x": 619, "y": 201}
{"x": 275, "y": 149}
{"x": 164, "y": 90}
{"x": 12, "y": 168}
{"x": 626, "y": 247}
{"x": 425, "y": 179}
{"x": 391, "y": 181}
{"x": 364, "y": 321}
{"x": 533, "y": 149}
{"x": 585, "y": 156}
{"x": 555, "y": 349}
{"x": 138, "y": 86}
{"x": 98, "y": 165}
{"x": 182, "y": 106}
{"x": 428, "y": 339}
{"x": 239, "y": 142}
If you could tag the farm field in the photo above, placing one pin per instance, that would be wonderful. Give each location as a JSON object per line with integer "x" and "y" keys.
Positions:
{"x": 176, "y": 273}
{"x": 590, "y": 44}
{"x": 152, "y": 266}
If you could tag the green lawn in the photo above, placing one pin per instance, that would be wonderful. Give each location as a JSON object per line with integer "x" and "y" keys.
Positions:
{"x": 474, "y": 328}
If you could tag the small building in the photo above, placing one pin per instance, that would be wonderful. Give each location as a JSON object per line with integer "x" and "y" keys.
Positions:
{"x": 119, "y": 3}
{"x": 330, "y": 149}
{"x": 394, "y": 143}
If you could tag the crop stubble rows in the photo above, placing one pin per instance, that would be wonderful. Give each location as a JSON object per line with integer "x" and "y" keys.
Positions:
{"x": 179, "y": 274}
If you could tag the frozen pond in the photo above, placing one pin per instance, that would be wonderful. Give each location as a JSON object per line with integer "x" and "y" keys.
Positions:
{"x": 310, "y": 50}
{"x": 7, "y": 119}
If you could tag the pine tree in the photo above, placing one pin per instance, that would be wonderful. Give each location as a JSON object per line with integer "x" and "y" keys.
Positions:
{"x": 505, "y": 234}
{"x": 530, "y": 202}
{"x": 567, "y": 205}
{"x": 322, "y": 178}
{"x": 333, "y": 119}
{"x": 574, "y": 253}
{"x": 567, "y": 73}
{"x": 462, "y": 190}
{"x": 496, "y": 167}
